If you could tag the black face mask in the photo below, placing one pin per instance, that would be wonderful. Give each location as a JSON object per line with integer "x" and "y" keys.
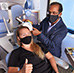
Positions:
{"x": 53, "y": 18}
{"x": 26, "y": 40}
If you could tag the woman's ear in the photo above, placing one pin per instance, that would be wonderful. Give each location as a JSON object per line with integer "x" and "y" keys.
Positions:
{"x": 18, "y": 38}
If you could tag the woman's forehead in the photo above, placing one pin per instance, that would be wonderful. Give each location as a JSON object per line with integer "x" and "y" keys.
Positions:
{"x": 24, "y": 30}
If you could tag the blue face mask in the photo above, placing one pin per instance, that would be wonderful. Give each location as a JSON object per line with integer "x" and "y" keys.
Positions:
{"x": 53, "y": 18}
{"x": 26, "y": 40}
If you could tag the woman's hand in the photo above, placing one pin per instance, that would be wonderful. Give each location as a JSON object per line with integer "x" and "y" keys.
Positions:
{"x": 27, "y": 68}
{"x": 57, "y": 72}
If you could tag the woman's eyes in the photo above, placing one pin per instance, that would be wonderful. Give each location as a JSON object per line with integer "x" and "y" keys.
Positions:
{"x": 25, "y": 34}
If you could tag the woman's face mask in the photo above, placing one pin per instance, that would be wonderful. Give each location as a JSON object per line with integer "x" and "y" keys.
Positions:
{"x": 26, "y": 40}
{"x": 53, "y": 18}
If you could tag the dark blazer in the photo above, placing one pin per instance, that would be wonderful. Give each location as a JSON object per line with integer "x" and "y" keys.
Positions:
{"x": 53, "y": 39}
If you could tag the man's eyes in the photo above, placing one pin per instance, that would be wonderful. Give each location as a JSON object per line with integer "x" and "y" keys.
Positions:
{"x": 53, "y": 12}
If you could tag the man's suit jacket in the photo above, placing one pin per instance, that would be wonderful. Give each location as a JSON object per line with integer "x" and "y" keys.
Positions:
{"x": 53, "y": 39}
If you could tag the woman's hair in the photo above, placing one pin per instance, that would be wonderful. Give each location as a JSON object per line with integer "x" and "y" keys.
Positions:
{"x": 35, "y": 47}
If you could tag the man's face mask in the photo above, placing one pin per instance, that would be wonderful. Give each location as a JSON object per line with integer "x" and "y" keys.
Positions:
{"x": 53, "y": 18}
{"x": 26, "y": 40}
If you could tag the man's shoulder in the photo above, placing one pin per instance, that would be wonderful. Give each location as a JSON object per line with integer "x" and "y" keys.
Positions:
{"x": 61, "y": 23}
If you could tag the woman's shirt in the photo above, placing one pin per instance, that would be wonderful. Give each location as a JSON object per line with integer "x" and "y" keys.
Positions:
{"x": 18, "y": 56}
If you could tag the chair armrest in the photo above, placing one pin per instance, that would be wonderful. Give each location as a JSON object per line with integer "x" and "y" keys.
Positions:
{"x": 61, "y": 63}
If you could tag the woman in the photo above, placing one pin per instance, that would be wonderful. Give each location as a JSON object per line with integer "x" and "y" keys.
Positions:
{"x": 33, "y": 53}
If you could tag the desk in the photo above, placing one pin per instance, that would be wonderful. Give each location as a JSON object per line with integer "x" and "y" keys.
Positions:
{"x": 70, "y": 56}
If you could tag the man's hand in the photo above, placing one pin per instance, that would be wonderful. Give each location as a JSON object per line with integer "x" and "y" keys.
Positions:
{"x": 26, "y": 20}
{"x": 27, "y": 68}
{"x": 36, "y": 32}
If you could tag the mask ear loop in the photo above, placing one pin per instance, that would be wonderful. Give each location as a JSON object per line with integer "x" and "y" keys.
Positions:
{"x": 20, "y": 41}
{"x": 58, "y": 14}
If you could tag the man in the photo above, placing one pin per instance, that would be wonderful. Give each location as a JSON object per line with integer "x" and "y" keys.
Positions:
{"x": 53, "y": 29}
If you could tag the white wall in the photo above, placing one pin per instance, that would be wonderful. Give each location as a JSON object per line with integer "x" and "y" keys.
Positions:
{"x": 43, "y": 9}
{"x": 41, "y": 5}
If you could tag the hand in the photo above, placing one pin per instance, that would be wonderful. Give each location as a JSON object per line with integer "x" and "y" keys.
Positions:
{"x": 27, "y": 68}
{"x": 35, "y": 32}
{"x": 26, "y": 20}
{"x": 57, "y": 72}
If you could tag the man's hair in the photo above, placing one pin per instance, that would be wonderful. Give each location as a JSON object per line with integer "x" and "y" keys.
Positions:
{"x": 60, "y": 5}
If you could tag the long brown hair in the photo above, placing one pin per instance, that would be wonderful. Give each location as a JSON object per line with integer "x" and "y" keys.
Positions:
{"x": 35, "y": 47}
